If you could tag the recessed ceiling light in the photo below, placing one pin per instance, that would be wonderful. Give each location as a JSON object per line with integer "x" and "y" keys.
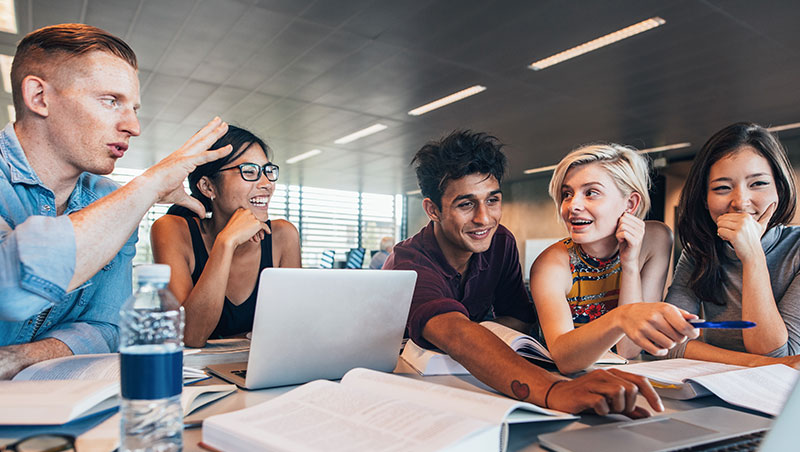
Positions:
{"x": 8, "y": 18}
{"x": 668, "y": 147}
{"x": 540, "y": 170}
{"x": 793, "y": 125}
{"x": 455, "y": 97}
{"x": 5, "y": 71}
{"x": 414, "y": 192}
{"x": 375, "y": 128}
{"x": 595, "y": 44}
{"x": 303, "y": 156}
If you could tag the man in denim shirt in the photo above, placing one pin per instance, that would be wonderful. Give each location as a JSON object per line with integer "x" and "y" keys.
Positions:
{"x": 67, "y": 235}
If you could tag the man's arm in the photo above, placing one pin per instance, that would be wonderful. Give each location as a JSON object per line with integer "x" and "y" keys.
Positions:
{"x": 102, "y": 227}
{"x": 491, "y": 361}
{"x": 14, "y": 358}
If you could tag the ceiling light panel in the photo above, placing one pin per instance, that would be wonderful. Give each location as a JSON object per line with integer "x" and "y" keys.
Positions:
{"x": 303, "y": 156}
{"x": 447, "y": 100}
{"x": 595, "y": 44}
{"x": 8, "y": 17}
{"x": 375, "y": 128}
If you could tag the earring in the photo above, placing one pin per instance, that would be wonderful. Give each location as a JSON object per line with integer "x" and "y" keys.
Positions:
{"x": 209, "y": 215}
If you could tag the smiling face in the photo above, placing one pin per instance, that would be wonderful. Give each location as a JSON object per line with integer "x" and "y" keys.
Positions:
{"x": 470, "y": 213}
{"x": 232, "y": 192}
{"x": 742, "y": 181}
{"x": 591, "y": 203}
{"x": 92, "y": 101}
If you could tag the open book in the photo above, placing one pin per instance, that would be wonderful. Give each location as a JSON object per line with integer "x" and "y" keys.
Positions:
{"x": 375, "y": 411}
{"x": 60, "y": 390}
{"x": 432, "y": 362}
{"x": 763, "y": 389}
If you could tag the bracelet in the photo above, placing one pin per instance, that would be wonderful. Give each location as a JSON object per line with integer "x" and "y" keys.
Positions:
{"x": 547, "y": 394}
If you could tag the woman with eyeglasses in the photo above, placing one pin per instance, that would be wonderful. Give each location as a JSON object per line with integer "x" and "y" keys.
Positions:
{"x": 216, "y": 261}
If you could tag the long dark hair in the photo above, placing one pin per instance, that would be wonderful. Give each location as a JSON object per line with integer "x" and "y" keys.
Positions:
{"x": 697, "y": 231}
{"x": 240, "y": 140}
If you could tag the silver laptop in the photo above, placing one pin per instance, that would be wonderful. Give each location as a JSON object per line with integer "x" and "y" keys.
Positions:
{"x": 319, "y": 323}
{"x": 698, "y": 429}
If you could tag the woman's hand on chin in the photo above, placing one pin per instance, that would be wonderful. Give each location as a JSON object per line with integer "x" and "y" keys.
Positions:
{"x": 243, "y": 226}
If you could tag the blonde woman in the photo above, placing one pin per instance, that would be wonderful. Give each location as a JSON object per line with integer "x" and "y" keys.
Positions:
{"x": 593, "y": 289}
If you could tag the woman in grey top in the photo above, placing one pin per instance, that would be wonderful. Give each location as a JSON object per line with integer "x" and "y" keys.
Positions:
{"x": 740, "y": 261}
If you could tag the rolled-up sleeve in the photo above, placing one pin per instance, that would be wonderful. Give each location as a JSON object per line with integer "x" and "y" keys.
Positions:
{"x": 37, "y": 262}
{"x": 95, "y": 329}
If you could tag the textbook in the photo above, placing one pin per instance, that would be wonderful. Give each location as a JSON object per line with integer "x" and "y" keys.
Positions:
{"x": 60, "y": 390}
{"x": 374, "y": 411}
{"x": 763, "y": 389}
{"x": 432, "y": 362}
{"x": 217, "y": 351}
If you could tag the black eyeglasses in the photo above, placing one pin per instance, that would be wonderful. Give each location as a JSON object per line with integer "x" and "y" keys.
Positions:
{"x": 252, "y": 171}
{"x": 42, "y": 443}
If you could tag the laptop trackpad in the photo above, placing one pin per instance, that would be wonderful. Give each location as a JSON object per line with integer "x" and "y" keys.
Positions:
{"x": 667, "y": 430}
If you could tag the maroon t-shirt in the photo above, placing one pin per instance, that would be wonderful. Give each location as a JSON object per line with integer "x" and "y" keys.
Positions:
{"x": 493, "y": 287}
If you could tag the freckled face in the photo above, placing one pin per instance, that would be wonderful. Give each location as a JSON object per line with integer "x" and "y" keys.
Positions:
{"x": 92, "y": 102}
{"x": 740, "y": 182}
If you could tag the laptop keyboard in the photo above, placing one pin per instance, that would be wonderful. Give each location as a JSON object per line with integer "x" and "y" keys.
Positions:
{"x": 240, "y": 373}
{"x": 748, "y": 442}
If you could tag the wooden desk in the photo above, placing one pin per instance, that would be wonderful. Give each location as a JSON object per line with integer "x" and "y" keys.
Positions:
{"x": 522, "y": 437}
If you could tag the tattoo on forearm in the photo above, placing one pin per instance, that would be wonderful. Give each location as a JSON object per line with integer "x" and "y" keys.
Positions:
{"x": 520, "y": 390}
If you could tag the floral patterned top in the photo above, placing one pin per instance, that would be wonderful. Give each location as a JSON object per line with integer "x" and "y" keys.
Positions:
{"x": 595, "y": 284}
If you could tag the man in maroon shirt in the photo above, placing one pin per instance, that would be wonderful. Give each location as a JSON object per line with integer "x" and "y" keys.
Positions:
{"x": 468, "y": 270}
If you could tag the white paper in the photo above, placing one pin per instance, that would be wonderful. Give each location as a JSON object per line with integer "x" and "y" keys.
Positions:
{"x": 764, "y": 388}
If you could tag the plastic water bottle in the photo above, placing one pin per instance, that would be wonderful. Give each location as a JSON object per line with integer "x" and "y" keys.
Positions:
{"x": 151, "y": 361}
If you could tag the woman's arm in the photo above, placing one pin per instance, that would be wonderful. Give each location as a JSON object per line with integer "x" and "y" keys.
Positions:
{"x": 285, "y": 244}
{"x": 706, "y": 352}
{"x": 654, "y": 327}
{"x": 202, "y": 302}
{"x": 744, "y": 233}
{"x": 645, "y": 281}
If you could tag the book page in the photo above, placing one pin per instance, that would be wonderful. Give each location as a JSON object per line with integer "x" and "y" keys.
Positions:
{"x": 323, "y": 415}
{"x": 676, "y": 371}
{"x": 489, "y": 408}
{"x": 517, "y": 340}
{"x": 762, "y": 389}
{"x": 104, "y": 366}
{"x": 80, "y": 367}
{"x": 53, "y": 402}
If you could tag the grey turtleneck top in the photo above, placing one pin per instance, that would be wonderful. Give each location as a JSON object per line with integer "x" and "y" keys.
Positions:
{"x": 782, "y": 248}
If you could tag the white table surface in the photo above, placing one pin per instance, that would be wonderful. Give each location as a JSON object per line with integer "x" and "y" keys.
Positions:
{"x": 522, "y": 437}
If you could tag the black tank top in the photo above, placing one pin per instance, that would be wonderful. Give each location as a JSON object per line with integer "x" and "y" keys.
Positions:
{"x": 233, "y": 319}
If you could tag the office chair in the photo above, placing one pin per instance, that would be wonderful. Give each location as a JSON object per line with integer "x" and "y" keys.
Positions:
{"x": 326, "y": 261}
{"x": 355, "y": 258}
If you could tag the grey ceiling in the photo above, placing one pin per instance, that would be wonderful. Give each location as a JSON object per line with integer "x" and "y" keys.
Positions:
{"x": 303, "y": 73}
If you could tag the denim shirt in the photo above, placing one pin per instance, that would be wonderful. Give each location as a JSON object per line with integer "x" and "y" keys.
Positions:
{"x": 37, "y": 262}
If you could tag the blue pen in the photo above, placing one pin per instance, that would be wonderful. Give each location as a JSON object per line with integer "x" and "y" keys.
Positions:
{"x": 728, "y": 324}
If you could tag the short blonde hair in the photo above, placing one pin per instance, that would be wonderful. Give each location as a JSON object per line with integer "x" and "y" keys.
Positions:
{"x": 629, "y": 169}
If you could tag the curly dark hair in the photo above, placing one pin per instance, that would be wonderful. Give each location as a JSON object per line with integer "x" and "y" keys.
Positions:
{"x": 696, "y": 229}
{"x": 459, "y": 154}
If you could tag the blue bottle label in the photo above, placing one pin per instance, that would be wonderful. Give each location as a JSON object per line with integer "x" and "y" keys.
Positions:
{"x": 151, "y": 376}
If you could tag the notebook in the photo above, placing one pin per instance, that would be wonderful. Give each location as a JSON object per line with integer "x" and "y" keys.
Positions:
{"x": 319, "y": 323}
{"x": 698, "y": 429}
